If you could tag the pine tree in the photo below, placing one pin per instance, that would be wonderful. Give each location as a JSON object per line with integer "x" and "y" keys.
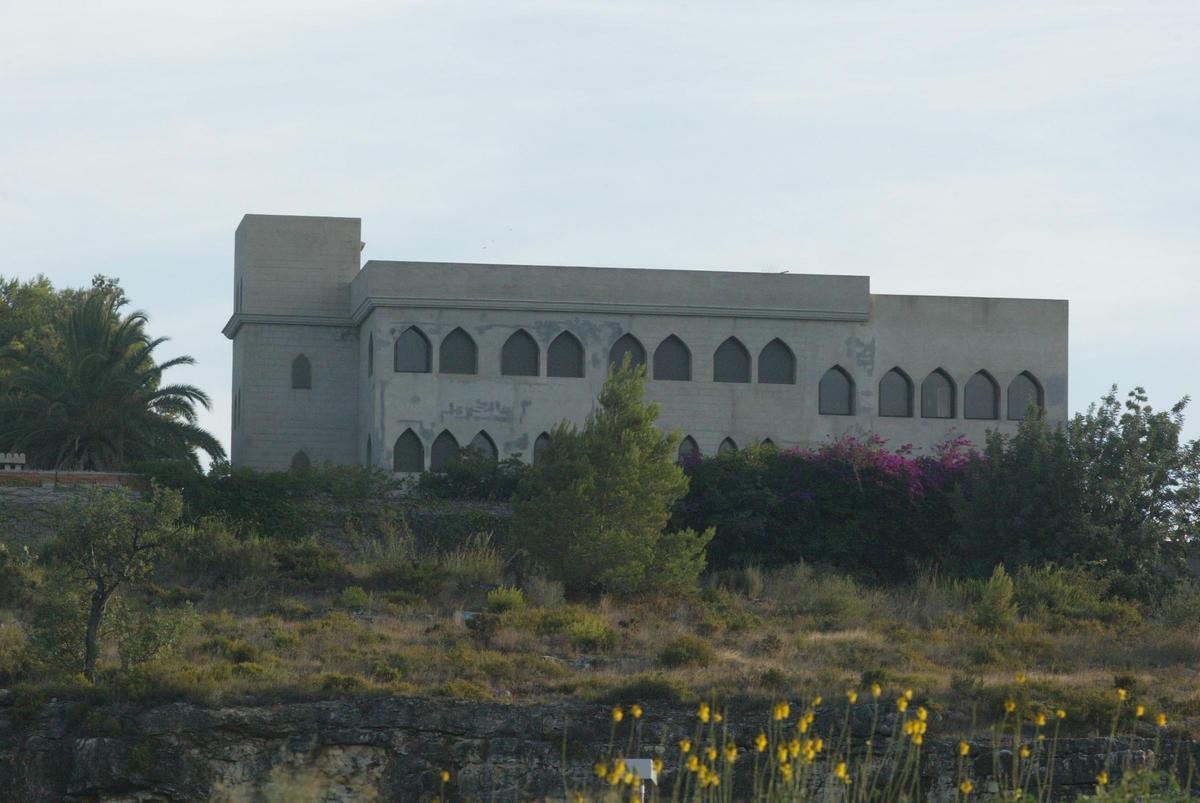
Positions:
{"x": 593, "y": 509}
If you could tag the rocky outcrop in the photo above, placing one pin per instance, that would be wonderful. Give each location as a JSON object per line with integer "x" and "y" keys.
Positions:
{"x": 387, "y": 749}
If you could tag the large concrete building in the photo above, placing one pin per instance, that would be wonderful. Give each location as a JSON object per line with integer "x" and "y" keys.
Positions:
{"x": 399, "y": 364}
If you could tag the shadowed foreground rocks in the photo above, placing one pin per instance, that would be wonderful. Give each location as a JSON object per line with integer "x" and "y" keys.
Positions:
{"x": 386, "y": 749}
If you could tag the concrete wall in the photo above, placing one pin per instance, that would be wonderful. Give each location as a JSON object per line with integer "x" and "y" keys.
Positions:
{"x": 825, "y": 320}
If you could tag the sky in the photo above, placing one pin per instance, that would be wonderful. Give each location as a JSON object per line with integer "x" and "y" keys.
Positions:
{"x": 1016, "y": 149}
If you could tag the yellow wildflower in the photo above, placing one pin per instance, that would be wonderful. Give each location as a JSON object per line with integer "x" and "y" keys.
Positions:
{"x": 718, "y": 717}
{"x": 618, "y": 714}
{"x": 1061, "y": 714}
{"x": 730, "y": 752}
{"x": 794, "y": 748}
{"x": 1025, "y": 751}
{"x": 876, "y": 690}
{"x": 1009, "y": 706}
{"x": 657, "y": 765}
{"x": 1140, "y": 711}
{"x": 966, "y": 787}
{"x": 1162, "y": 720}
{"x": 601, "y": 769}
{"x": 922, "y": 714}
{"x": 782, "y": 753}
{"x": 628, "y": 778}
{"x": 760, "y": 742}
{"x": 964, "y": 748}
{"x": 819, "y": 745}
{"x": 901, "y": 704}
{"x": 445, "y": 776}
{"x": 636, "y": 711}
{"x": 816, "y": 701}
{"x": 782, "y": 711}
{"x": 908, "y": 694}
{"x": 693, "y": 763}
{"x": 711, "y": 753}
{"x": 852, "y": 696}
{"x": 705, "y": 712}
{"x": 917, "y": 739}
{"x": 1122, "y": 694}
{"x": 1020, "y": 678}
{"x": 685, "y": 745}
{"x": 1102, "y": 779}
{"x": 1040, "y": 719}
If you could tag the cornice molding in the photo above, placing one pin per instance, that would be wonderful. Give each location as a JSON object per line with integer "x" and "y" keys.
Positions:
{"x": 239, "y": 319}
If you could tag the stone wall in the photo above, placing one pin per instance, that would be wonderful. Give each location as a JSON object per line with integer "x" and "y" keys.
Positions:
{"x": 394, "y": 749}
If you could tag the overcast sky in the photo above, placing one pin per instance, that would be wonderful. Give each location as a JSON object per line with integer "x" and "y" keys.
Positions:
{"x": 999, "y": 149}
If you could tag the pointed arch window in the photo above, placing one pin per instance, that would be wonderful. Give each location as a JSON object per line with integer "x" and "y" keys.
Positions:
{"x": 371, "y": 354}
{"x": 520, "y": 355}
{"x": 483, "y": 443}
{"x": 728, "y": 445}
{"x": 768, "y": 443}
{"x": 540, "y": 445}
{"x": 627, "y": 344}
{"x": 300, "y": 463}
{"x": 458, "y": 354}
{"x": 836, "y": 392}
{"x": 408, "y": 454}
{"x": 937, "y": 395}
{"x": 731, "y": 362}
{"x": 673, "y": 360}
{"x": 896, "y": 395}
{"x": 412, "y": 352}
{"x": 565, "y": 356}
{"x": 981, "y": 397}
{"x": 445, "y": 450}
{"x": 301, "y": 373}
{"x": 776, "y": 364}
{"x": 689, "y": 450}
{"x": 1024, "y": 392}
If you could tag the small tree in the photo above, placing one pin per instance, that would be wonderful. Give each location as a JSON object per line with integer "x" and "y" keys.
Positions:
{"x": 593, "y": 509}
{"x": 109, "y": 541}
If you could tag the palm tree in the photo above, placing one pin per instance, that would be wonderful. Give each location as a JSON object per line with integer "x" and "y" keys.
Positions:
{"x": 98, "y": 402}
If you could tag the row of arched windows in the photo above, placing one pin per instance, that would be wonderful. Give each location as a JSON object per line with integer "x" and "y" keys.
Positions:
{"x": 408, "y": 453}
{"x": 939, "y": 397}
{"x": 521, "y": 356}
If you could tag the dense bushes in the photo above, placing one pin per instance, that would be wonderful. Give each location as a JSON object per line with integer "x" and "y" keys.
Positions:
{"x": 851, "y": 504}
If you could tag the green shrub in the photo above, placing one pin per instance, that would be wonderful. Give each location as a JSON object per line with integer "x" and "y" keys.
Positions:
{"x": 833, "y": 599}
{"x": 686, "y": 651}
{"x": 338, "y": 683}
{"x": 504, "y": 599}
{"x": 1059, "y": 596}
{"x": 591, "y": 634}
{"x": 992, "y": 604}
{"x": 310, "y": 562}
{"x": 646, "y": 689}
{"x": 233, "y": 650}
{"x": 354, "y": 598}
{"x": 474, "y": 475}
{"x": 18, "y": 577}
{"x": 1180, "y": 608}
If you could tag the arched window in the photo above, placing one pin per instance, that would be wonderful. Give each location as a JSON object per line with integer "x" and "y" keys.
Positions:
{"x": 768, "y": 443}
{"x": 413, "y": 352}
{"x": 368, "y": 450}
{"x": 300, "y": 463}
{"x": 688, "y": 449}
{"x": 896, "y": 395}
{"x": 301, "y": 373}
{"x": 371, "y": 354}
{"x": 731, "y": 362}
{"x": 627, "y": 344}
{"x": 672, "y": 360}
{"x": 458, "y": 354}
{"x": 483, "y": 443}
{"x": 1023, "y": 392}
{"x": 540, "y": 445}
{"x": 520, "y": 355}
{"x": 445, "y": 449}
{"x": 727, "y": 446}
{"x": 836, "y": 392}
{"x": 565, "y": 356}
{"x": 409, "y": 453}
{"x": 776, "y": 364}
{"x": 937, "y": 395}
{"x": 981, "y": 397}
